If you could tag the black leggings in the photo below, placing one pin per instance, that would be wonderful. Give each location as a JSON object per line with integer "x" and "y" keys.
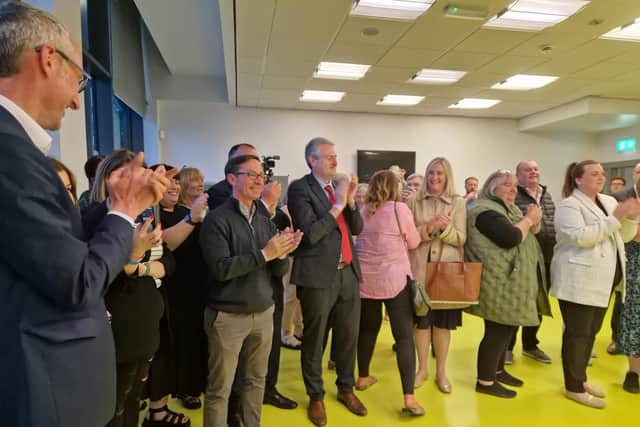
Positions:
{"x": 400, "y": 311}
{"x": 492, "y": 347}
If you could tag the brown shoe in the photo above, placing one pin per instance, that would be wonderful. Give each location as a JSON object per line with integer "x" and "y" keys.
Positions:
{"x": 316, "y": 412}
{"x": 351, "y": 401}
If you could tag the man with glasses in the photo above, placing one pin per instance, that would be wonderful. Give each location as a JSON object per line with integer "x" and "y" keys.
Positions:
{"x": 57, "y": 360}
{"x": 327, "y": 274}
{"x": 242, "y": 250}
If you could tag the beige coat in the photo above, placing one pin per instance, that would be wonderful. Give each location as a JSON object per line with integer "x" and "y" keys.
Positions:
{"x": 452, "y": 237}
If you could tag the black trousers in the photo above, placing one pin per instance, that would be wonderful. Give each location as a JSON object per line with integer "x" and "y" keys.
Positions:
{"x": 615, "y": 316}
{"x": 160, "y": 382}
{"x": 529, "y": 337}
{"x": 400, "y": 311}
{"x": 130, "y": 380}
{"x": 492, "y": 347}
{"x": 339, "y": 301}
{"x": 581, "y": 325}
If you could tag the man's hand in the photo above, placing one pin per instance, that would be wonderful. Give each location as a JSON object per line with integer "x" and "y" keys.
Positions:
{"x": 282, "y": 244}
{"x": 341, "y": 189}
{"x": 132, "y": 188}
{"x": 271, "y": 195}
{"x": 407, "y": 192}
{"x": 534, "y": 213}
{"x": 352, "y": 189}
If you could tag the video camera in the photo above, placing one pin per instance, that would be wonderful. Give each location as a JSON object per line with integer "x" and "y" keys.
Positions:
{"x": 268, "y": 163}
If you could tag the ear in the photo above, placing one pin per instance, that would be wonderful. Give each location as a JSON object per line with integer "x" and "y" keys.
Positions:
{"x": 231, "y": 179}
{"x": 45, "y": 59}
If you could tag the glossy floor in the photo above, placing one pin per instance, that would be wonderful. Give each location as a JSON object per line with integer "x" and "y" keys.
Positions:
{"x": 539, "y": 403}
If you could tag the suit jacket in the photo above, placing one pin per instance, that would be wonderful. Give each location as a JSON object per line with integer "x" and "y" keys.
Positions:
{"x": 218, "y": 194}
{"x": 588, "y": 242}
{"x": 319, "y": 252}
{"x": 57, "y": 364}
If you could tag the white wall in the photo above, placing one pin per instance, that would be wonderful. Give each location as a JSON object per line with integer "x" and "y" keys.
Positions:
{"x": 200, "y": 134}
{"x": 606, "y": 145}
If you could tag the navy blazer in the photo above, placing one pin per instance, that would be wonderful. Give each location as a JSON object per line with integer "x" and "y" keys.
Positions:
{"x": 319, "y": 252}
{"x": 57, "y": 362}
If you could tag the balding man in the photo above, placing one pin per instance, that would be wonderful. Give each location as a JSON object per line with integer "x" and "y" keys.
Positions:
{"x": 530, "y": 191}
{"x": 57, "y": 359}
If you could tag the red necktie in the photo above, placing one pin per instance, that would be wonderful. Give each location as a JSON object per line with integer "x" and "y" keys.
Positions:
{"x": 345, "y": 244}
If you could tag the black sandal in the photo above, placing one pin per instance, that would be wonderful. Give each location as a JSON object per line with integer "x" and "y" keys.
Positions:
{"x": 171, "y": 419}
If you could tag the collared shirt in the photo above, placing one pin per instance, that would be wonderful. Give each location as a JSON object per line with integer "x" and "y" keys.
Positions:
{"x": 248, "y": 212}
{"x": 323, "y": 185}
{"x": 36, "y": 133}
{"x": 536, "y": 195}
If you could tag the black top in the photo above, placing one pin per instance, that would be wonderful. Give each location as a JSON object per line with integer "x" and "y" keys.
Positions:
{"x": 239, "y": 279}
{"x": 186, "y": 285}
{"x": 497, "y": 228}
{"x": 135, "y": 303}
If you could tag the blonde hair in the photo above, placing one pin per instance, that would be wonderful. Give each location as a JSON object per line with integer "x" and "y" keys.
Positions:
{"x": 384, "y": 186}
{"x": 186, "y": 176}
{"x": 449, "y": 187}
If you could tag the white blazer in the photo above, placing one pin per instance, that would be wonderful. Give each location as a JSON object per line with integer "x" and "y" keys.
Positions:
{"x": 587, "y": 243}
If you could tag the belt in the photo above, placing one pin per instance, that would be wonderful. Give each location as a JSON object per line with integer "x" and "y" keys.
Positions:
{"x": 342, "y": 265}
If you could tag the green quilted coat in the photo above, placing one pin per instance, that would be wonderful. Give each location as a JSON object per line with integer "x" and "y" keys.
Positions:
{"x": 513, "y": 288}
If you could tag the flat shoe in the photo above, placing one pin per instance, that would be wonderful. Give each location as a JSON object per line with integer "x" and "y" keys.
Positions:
{"x": 586, "y": 399}
{"x": 368, "y": 382}
{"x": 416, "y": 411}
{"x": 444, "y": 386}
{"x": 417, "y": 382}
{"x": 593, "y": 390}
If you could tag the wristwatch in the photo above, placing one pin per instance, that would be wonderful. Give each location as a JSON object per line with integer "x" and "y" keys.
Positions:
{"x": 188, "y": 220}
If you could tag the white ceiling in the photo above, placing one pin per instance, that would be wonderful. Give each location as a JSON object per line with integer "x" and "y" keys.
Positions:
{"x": 278, "y": 44}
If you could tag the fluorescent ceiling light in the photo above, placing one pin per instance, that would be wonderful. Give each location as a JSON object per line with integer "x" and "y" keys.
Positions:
{"x": 475, "y": 103}
{"x": 407, "y": 10}
{"x": 321, "y": 96}
{"x": 437, "y": 77}
{"x": 629, "y": 32}
{"x": 535, "y": 15}
{"x": 524, "y": 82}
{"x": 340, "y": 70}
{"x": 400, "y": 100}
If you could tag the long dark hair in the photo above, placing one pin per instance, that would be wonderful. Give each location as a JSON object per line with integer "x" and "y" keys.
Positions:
{"x": 574, "y": 170}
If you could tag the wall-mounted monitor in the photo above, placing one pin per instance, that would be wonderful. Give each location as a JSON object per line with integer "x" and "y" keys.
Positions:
{"x": 371, "y": 161}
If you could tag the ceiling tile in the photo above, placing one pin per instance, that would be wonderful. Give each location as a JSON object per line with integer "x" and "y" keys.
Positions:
{"x": 278, "y": 82}
{"x": 250, "y": 64}
{"x": 284, "y": 67}
{"x": 436, "y": 32}
{"x": 389, "y": 74}
{"x": 355, "y": 53}
{"x": 509, "y": 64}
{"x": 320, "y": 18}
{"x": 407, "y": 57}
{"x": 297, "y": 48}
{"x": 604, "y": 70}
{"x": 493, "y": 41}
{"x": 465, "y": 61}
{"x": 388, "y": 31}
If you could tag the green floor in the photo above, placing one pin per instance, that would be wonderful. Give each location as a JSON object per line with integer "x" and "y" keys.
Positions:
{"x": 539, "y": 403}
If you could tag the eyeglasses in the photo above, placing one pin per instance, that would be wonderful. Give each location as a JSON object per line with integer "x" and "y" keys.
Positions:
{"x": 84, "y": 80}
{"x": 253, "y": 175}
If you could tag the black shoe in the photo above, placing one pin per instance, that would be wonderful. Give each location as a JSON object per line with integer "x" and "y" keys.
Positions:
{"x": 394, "y": 347}
{"x": 631, "y": 383}
{"x": 495, "y": 389}
{"x": 274, "y": 398}
{"x": 506, "y": 378}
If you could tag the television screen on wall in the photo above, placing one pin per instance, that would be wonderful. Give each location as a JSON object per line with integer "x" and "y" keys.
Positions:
{"x": 371, "y": 161}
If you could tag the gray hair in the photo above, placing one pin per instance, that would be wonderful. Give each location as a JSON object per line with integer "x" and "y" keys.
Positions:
{"x": 312, "y": 148}
{"x": 112, "y": 162}
{"x": 24, "y": 27}
{"x": 489, "y": 188}
{"x": 415, "y": 175}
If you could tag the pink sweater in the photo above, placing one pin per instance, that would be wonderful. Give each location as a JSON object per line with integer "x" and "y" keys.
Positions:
{"x": 382, "y": 253}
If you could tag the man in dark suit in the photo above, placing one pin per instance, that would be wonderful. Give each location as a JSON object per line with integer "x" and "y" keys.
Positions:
{"x": 57, "y": 362}
{"x": 326, "y": 271}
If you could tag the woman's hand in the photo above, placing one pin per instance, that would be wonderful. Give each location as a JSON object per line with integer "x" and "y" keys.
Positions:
{"x": 199, "y": 208}
{"x": 630, "y": 208}
{"x": 143, "y": 240}
{"x": 534, "y": 213}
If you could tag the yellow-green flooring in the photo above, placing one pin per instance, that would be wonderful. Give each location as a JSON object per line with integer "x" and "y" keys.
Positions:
{"x": 540, "y": 402}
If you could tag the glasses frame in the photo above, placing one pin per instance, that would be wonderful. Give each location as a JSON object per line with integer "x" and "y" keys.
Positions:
{"x": 250, "y": 175}
{"x": 86, "y": 77}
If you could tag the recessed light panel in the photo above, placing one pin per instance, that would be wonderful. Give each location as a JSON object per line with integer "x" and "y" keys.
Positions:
{"x": 535, "y": 15}
{"x": 437, "y": 77}
{"x": 629, "y": 32}
{"x": 341, "y": 70}
{"x": 405, "y": 10}
{"x": 475, "y": 103}
{"x": 401, "y": 100}
{"x": 321, "y": 96}
{"x": 524, "y": 82}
